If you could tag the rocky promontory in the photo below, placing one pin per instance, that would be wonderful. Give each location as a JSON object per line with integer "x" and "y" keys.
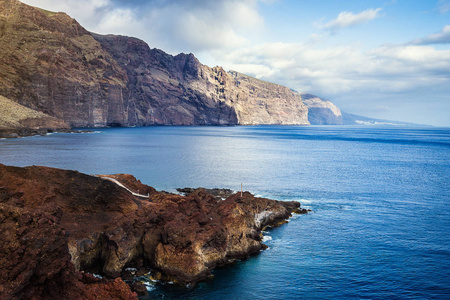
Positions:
{"x": 59, "y": 226}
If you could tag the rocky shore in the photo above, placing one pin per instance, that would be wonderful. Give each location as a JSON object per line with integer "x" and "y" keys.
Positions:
{"x": 60, "y": 226}
{"x": 6, "y": 133}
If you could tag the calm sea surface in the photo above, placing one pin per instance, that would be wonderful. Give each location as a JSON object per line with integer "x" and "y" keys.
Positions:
{"x": 380, "y": 227}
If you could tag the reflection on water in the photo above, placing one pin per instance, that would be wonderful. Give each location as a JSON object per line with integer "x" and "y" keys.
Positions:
{"x": 380, "y": 198}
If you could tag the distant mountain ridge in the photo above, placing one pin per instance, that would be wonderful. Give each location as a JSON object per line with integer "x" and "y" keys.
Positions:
{"x": 321, "y": 111}
{"x": 324, "y": 112}
{"x": 51, "y": 64}
{"x": 352, "y": 119}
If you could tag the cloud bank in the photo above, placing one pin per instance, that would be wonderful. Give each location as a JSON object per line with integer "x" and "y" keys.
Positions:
{"x": 175, "y": 26}
{"x": 346, "y": 69}
{"x": 442, "y": 37}
{"x": 348, "y": 19}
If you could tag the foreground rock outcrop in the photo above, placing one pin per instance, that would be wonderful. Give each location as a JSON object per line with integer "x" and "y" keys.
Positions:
{"x": 51, "y": 64}
{"x": 57, "y": 223}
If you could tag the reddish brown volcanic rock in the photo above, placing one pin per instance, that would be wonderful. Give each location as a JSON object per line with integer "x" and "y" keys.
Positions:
{"x": 36, "y": 264}
{"x": 55, "y": 223}
{"x": 41, "y": 210}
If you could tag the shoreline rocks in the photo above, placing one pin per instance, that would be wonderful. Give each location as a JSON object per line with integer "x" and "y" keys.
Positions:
{"x": 11, "y": 133}
{"x": 57, "y": 224}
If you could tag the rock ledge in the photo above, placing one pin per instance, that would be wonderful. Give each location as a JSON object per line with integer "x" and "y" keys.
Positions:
{"x": 57, "y": 224}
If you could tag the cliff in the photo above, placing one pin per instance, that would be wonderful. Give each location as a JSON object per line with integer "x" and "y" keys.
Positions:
{"x": 164, "y": 89}
{"x": 51, "y": 64}
{"x": 322, "y": 112}
{"x": 261, "y": 102}
{"x": 57, "y": 223}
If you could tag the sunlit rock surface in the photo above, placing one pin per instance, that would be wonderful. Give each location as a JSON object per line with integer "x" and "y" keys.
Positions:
{"x": 51, "y": 64}
{"x": 56, "y": 223}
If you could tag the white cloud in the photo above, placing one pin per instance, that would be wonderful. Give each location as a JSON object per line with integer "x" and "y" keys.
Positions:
{"x": 347, "y": 19}
{"x": 86, "y": 12}
{"x": 200, "y": 28}
{"x": 118, "y": 21}
{"x": 175, "y": 26}
{"x": 345, "y": 69}
{"x": 407, "y": 79}
{"x": 442, "y": 37}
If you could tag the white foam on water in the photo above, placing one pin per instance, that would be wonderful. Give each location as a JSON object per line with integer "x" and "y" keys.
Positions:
{"x": 150, "y": 287}
{"x": 266, "y": 238}
{"x": 97, "y": 276}
{"x": 91, "y": 132}
{"x": 301, "y": 200}
{"x": 304, "y": 201}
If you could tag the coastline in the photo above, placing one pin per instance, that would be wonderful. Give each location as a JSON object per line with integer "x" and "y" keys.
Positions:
{"x": 92, "y": 225}
{"x": 24, "y": 132}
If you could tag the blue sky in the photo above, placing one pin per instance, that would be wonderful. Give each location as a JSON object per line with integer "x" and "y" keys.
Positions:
{"x": 384, "y": 59}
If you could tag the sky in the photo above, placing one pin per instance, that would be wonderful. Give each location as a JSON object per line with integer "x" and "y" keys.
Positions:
{"x": 386, "y": 59}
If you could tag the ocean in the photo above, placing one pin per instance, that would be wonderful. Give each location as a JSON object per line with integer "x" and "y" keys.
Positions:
{"x": 380, "y": 200}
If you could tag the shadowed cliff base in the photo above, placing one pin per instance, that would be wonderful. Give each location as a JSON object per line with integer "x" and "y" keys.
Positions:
{"x": 56, "y": 224}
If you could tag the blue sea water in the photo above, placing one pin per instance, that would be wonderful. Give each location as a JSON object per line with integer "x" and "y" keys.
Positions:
{"x": 380, "y": 198}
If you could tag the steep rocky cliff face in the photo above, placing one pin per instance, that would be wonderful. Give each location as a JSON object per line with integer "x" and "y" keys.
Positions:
{"x": 260, "y": 102}
{"x": 55, "y": 223}
{"x": 322, "y": 112}
{"x": 51, "y": 64}
{"x": 166, "y": 89}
